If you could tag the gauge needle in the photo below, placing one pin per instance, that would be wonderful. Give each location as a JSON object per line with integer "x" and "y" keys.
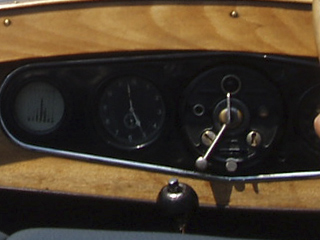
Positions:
{"x": 131, "y": 110}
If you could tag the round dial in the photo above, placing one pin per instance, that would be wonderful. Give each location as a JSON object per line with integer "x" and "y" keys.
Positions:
{"x": 132, "y": 112}
{"x": 255, "y": 111}
{"x": 39, "y": 107}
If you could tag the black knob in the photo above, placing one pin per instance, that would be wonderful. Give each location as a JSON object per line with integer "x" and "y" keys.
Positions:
{"x": 178, "y": 201}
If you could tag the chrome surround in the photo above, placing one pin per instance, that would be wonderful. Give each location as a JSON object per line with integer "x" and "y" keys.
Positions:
{"x": 163, "y": 169}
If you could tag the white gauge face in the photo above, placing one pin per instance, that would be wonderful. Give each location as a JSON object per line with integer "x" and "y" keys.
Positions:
{"x": 39, "y": 107}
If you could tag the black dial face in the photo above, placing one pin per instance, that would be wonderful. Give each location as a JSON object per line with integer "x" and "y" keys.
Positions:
{"x": 132, "y": 112}
{"x": 255, "y": 111}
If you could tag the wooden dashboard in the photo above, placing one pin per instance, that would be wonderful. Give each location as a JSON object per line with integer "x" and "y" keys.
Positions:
{"x": 47, "y": 29}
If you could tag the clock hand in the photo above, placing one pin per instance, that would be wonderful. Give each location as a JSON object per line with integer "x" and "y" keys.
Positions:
{"x": 130, "y": 100}
{"x": 131, "y": 110}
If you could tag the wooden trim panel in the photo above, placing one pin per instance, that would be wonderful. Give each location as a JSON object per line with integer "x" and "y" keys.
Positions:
{"x": 103, "y": 27}
{"x": 23, "y": 169}
{"x": 81, "y": 28}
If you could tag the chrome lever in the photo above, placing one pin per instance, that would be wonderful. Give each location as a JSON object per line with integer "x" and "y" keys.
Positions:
{"x": 202, "y": 161}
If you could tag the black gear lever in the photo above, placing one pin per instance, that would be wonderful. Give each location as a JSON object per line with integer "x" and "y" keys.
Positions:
{"x": 178, "y": 201}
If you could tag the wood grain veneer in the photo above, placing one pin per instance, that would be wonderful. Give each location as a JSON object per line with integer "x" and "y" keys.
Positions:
{"x": 279, "y": 28}
{"x": 80, "y": 28}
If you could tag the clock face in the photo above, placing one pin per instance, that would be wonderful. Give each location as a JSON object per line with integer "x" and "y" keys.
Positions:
{"x": 132, "y": 112}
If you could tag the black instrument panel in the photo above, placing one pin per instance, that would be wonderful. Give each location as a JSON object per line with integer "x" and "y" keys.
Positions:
{"x": 161, "y": 111}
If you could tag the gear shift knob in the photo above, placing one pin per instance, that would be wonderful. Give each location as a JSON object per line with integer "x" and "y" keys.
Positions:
{"x": 178, "y": 201}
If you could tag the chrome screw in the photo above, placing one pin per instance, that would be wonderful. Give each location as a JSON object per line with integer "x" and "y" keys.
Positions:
{"x": 234, "y": 14}
{"x": 7, "y": 22}
{"x": 208, "y": 137}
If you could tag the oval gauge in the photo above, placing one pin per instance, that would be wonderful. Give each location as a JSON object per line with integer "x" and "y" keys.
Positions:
{"x": 132, "y": 112}
{"x": 39, "y": 107}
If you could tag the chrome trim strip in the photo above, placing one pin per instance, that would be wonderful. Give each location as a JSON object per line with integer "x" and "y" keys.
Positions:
{"x": 164, "y": 169}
